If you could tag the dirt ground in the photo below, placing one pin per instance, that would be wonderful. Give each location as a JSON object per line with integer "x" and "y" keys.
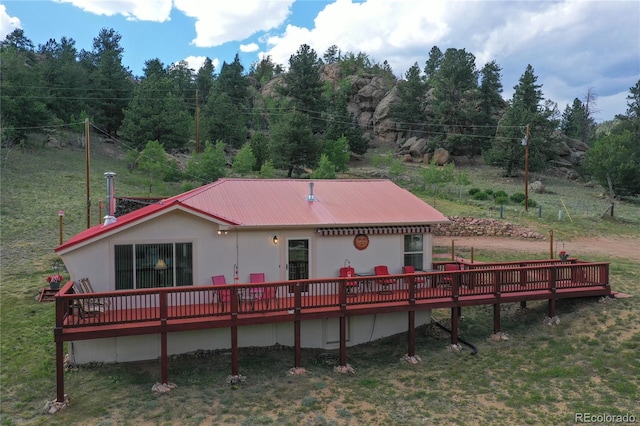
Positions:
{"x": 581, "y": 248}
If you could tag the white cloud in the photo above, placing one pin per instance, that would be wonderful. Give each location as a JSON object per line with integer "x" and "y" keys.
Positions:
{"x": 147, "y": 10}
{"x": 248, "y": 48}
{"x": 196, "y": 62}
{"x": 572, "y": 44}
{"x": 219, "y": 22}
{"x": 7, "y": 23}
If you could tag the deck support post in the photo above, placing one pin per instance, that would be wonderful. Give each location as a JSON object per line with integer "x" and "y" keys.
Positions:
{"x": 454, "y": 326}
{"x": 164, "y": 364}
{"x": 297, "y": 354}
{"x": 496, "y": 318}
{"x": 343, "y": 341}
{"x": 235, "y": 359}
{"x": 523, "y": 304}
{"x": 552, "y": 308}
{"x": 59, "y": 371}
{"x": 164, "y": 314}
{"x": 412, "y": 333}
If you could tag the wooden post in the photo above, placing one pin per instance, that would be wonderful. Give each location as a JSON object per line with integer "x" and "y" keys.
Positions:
{"x": 471, "y": 254}
{"x": 343, "y": 341}
{"x": 88, "y": 164}
{"x": 297, "y": 326}
{"x": 235, "y": 358}
{"x": 412, "y": 333}
{"x": 100, "y": 207}
{"x": 60, "y": 223}
{"x": 550, "y": 243}
{"x": 164, "y": 313}
{"x": 553, "y": 274}
{"x": 526, "y": 170}
{"x": 164, "y": 362}
{"x": 454, "y": 325}
{"x": 61, "y": 309}
{"x": 496, "y": 318}
{"x": 60, "y": 371}
{"x": 197, "y": 124}
{"x": 297, "y": 353}
{"x": 453, "y": 250}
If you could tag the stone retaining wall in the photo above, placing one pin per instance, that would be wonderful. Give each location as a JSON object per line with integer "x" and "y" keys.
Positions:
{"x": 474, "y": 227}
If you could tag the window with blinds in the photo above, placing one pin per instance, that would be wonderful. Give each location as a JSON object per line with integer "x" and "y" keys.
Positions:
{"x": 414, "y": 250}
{"x": 153, "y": 265}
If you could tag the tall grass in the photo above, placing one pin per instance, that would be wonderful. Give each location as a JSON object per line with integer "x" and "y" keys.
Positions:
{"x": 541, "y": 375}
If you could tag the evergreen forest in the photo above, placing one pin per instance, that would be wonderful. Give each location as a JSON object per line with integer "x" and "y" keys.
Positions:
{"x": 292, "y": 119}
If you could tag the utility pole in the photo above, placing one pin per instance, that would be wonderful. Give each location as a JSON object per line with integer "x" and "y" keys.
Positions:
{"x": 197, "y": 124}
{"x": 525, "y": 142}
{"x": 88, "y": 160}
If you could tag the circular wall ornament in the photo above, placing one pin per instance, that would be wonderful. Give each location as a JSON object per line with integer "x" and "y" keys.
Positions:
{"x": 361, "y": 241}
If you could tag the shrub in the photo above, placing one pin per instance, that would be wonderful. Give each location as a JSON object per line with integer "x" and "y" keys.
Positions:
{"x": 518, "y": 197}
{"x": 489, "y": 191}
{"x": 500, "y": 193}
{"x": 531, "y": 203}
{"x": 474, "y": 191}
{"x": 501, "y": 199}
{"x": 480, "y": 196}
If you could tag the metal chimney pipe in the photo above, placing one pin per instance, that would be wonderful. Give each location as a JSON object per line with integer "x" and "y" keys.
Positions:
{"x": 111, "y": 200}
{"x": 311, "y": 197}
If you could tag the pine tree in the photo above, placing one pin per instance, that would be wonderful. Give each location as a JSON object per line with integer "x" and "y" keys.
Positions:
{"x": 222, "y": 120}
{"x": 491, "y": 104}
{"x": 232, "y": 82}
{"x": 409, "y": 112}
{"x": 293, "y": 145}
{"x": 303, "y": 85}
{"x": 23, "y": 106}
{"x": 341, "y": 123}
{"x": 455, "y": 96}
{"x": 110, "y": 83}
{"x": 525, "y": 108}
{"x": 205, "y": 79}
{"x": 157, "y": 112}
{"x": 65, "y": 79}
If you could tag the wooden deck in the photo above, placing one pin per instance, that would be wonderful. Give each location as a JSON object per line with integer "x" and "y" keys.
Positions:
{"x": 166, "y": 310}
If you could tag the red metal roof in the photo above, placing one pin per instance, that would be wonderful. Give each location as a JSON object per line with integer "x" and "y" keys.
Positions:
{"x": 285, "y": 203}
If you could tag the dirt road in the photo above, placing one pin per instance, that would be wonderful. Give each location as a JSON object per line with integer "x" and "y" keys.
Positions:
{"x": 582, "y": 248}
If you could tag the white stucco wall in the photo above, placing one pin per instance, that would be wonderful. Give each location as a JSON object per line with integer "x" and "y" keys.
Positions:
{"x": 314, "y": 334}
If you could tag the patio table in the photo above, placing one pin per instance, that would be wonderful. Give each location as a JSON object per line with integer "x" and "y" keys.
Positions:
{"x": 250, "y": 295}
{"x": 364, "y": 281}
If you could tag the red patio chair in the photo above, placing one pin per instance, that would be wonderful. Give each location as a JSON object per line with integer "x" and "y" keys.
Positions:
{"x": 352, "y": 285}
{"x": 267, "y": 293}
{"x": 385, "y": 282}
{"x": 450, "y": 267}
{"x": 410, "y": 269}
{"x": 224, "y": 296}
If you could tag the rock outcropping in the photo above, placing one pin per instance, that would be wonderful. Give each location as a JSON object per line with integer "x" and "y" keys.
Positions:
{"x": 371, "y": 98}
{"x": 475, "y": 227}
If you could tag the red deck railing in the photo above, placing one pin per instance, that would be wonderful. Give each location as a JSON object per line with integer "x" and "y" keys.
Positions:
{"x": 475, "y": 283}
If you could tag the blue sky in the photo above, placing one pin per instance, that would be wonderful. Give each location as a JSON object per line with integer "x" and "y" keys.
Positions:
{"x": 573, "y": 45}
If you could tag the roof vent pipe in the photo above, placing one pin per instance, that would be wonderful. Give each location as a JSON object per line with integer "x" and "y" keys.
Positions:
{"x": 111, "y": 199}
{"x": 311, "y": 197}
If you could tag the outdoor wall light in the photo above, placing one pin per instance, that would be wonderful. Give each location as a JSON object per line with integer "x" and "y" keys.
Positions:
{"x": 222, "y": 232}
{"x": 275, "y": 239}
